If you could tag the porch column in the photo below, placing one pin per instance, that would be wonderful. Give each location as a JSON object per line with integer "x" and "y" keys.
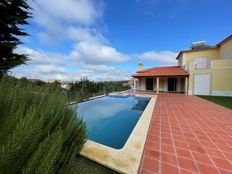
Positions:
{"x": 186, "y": 85}
{"x": 157, "y": 85}
{"x": 134, "y": 85}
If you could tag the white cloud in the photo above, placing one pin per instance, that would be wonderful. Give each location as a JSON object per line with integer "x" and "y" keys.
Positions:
{"x": 97, "y": 53}
{"x": 92, "y": 56}
{"x": 50, "y": 69}
{"x": 84, "y": 12}
{"x": 75, "y": 20}
{"x": 68, "y": 19}
{"x": 85, "y": 34}
{"x": 159, "y": 57}
{"x": 80, "y": 63}
{"x": 45, "y": 65}
{"x": 39, "y": 57}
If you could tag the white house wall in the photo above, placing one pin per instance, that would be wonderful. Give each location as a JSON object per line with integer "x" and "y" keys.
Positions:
{"x": 154, "y": 84}
{"x": 142, "y": 84}
{"x": 165, "y": 84}
{"x": 178, "y": 85}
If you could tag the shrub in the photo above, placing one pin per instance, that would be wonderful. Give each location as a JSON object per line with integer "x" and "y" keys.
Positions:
{"x": 39, "y": 133}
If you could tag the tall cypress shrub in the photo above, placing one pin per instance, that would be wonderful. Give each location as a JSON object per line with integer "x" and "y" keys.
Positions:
{"x": 39, "y": 133}
{"x": 13, "y": 15}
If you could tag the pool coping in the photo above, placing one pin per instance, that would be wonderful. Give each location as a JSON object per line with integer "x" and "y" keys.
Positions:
{"x": 127, "y": 159}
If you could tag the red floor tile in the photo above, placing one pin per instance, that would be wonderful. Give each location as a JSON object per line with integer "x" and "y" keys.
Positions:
{"x": 205, "y": 169}
{"x": 167, "y": 148}
{"x": 152, "y": 153}
{"x": 144, "y": 171}
{"x": 202, "y": 158}
{"x": 183, "y": 153}
{"x": 169, "y": 158}
{"x": 197, "y": 148}
{"x": 153, "y": 144}
{"x": 188, "y": 135}
{"x": 150, "y": 164}
{"x": 187, "y": 164}
{"x": 180, "y": 144}
{"x": 168, "y": 169}
{"x": 225, "y": 171}
{"x": 228, "y": 155}
{"x": 223, "y": 164}
{"x": 183, "y": 171}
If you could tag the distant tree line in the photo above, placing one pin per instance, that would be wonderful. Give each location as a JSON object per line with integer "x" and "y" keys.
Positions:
{"x": 79, "y": 90}
{"x": 85, "y": 88}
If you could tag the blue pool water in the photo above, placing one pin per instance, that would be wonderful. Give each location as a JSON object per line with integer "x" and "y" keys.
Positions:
{"x": 110, "y": 120}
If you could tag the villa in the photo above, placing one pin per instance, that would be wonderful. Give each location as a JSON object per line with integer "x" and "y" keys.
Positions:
{"x": 201, "y": 70}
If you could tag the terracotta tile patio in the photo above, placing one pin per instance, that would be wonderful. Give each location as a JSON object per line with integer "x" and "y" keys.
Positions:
{"x": 188, "y": 135}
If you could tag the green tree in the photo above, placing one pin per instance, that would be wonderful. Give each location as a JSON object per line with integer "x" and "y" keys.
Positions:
{"x": 13, "y": 14}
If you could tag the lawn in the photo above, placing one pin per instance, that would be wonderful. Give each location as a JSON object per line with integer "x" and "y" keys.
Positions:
{"x": 85, "y": 166}
{"x": 224, "y": 101}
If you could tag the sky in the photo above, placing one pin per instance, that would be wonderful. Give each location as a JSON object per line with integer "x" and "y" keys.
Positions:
{"x": 105, "y": 39}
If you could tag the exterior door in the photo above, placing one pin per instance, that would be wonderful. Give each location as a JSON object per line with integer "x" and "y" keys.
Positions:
{"x": 149, "y": 83}
{"x": 172, "y": 84}
{"x": 202, "y": 83}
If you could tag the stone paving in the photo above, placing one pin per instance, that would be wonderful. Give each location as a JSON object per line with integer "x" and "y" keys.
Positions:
{"x": 188, "y": 135}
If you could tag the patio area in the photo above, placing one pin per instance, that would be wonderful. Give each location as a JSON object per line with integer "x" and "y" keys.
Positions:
{"x": 188, "y": 135}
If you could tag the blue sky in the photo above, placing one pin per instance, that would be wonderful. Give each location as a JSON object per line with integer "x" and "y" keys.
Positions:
{"x": 105, "y": 39}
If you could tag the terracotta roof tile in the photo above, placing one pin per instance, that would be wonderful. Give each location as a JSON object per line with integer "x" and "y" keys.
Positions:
{"x": 162, "y": 71}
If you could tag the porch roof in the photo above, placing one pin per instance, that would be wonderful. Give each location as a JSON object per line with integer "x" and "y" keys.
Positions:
{"x": 162, "y": 72}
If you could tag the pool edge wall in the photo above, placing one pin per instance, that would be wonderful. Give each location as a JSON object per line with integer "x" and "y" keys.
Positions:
{"x": 127, "y": 159}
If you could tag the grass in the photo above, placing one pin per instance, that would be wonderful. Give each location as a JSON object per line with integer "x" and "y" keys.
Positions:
{"x": 84, "y": 166}
{"x": 224, "y": 101}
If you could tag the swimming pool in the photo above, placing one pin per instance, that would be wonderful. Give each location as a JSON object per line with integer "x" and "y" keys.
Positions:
{"x": 111, "y": 119}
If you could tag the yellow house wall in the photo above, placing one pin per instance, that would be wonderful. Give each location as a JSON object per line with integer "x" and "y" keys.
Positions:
{"x": 210, "y": 54}
{"x": 221, "y": 63}
{"x": 180, "y": 60}
{"x": 221, "y": 81}
{"x": 221, "y": 70}
{"x": 225, "y": 51}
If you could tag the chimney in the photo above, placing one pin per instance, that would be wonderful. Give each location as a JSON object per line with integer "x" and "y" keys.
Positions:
{"x": 140, "y": 66}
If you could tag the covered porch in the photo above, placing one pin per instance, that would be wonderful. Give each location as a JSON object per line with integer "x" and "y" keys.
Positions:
{"x": 172, "y": 84}
{"x": 161, "y": 79}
